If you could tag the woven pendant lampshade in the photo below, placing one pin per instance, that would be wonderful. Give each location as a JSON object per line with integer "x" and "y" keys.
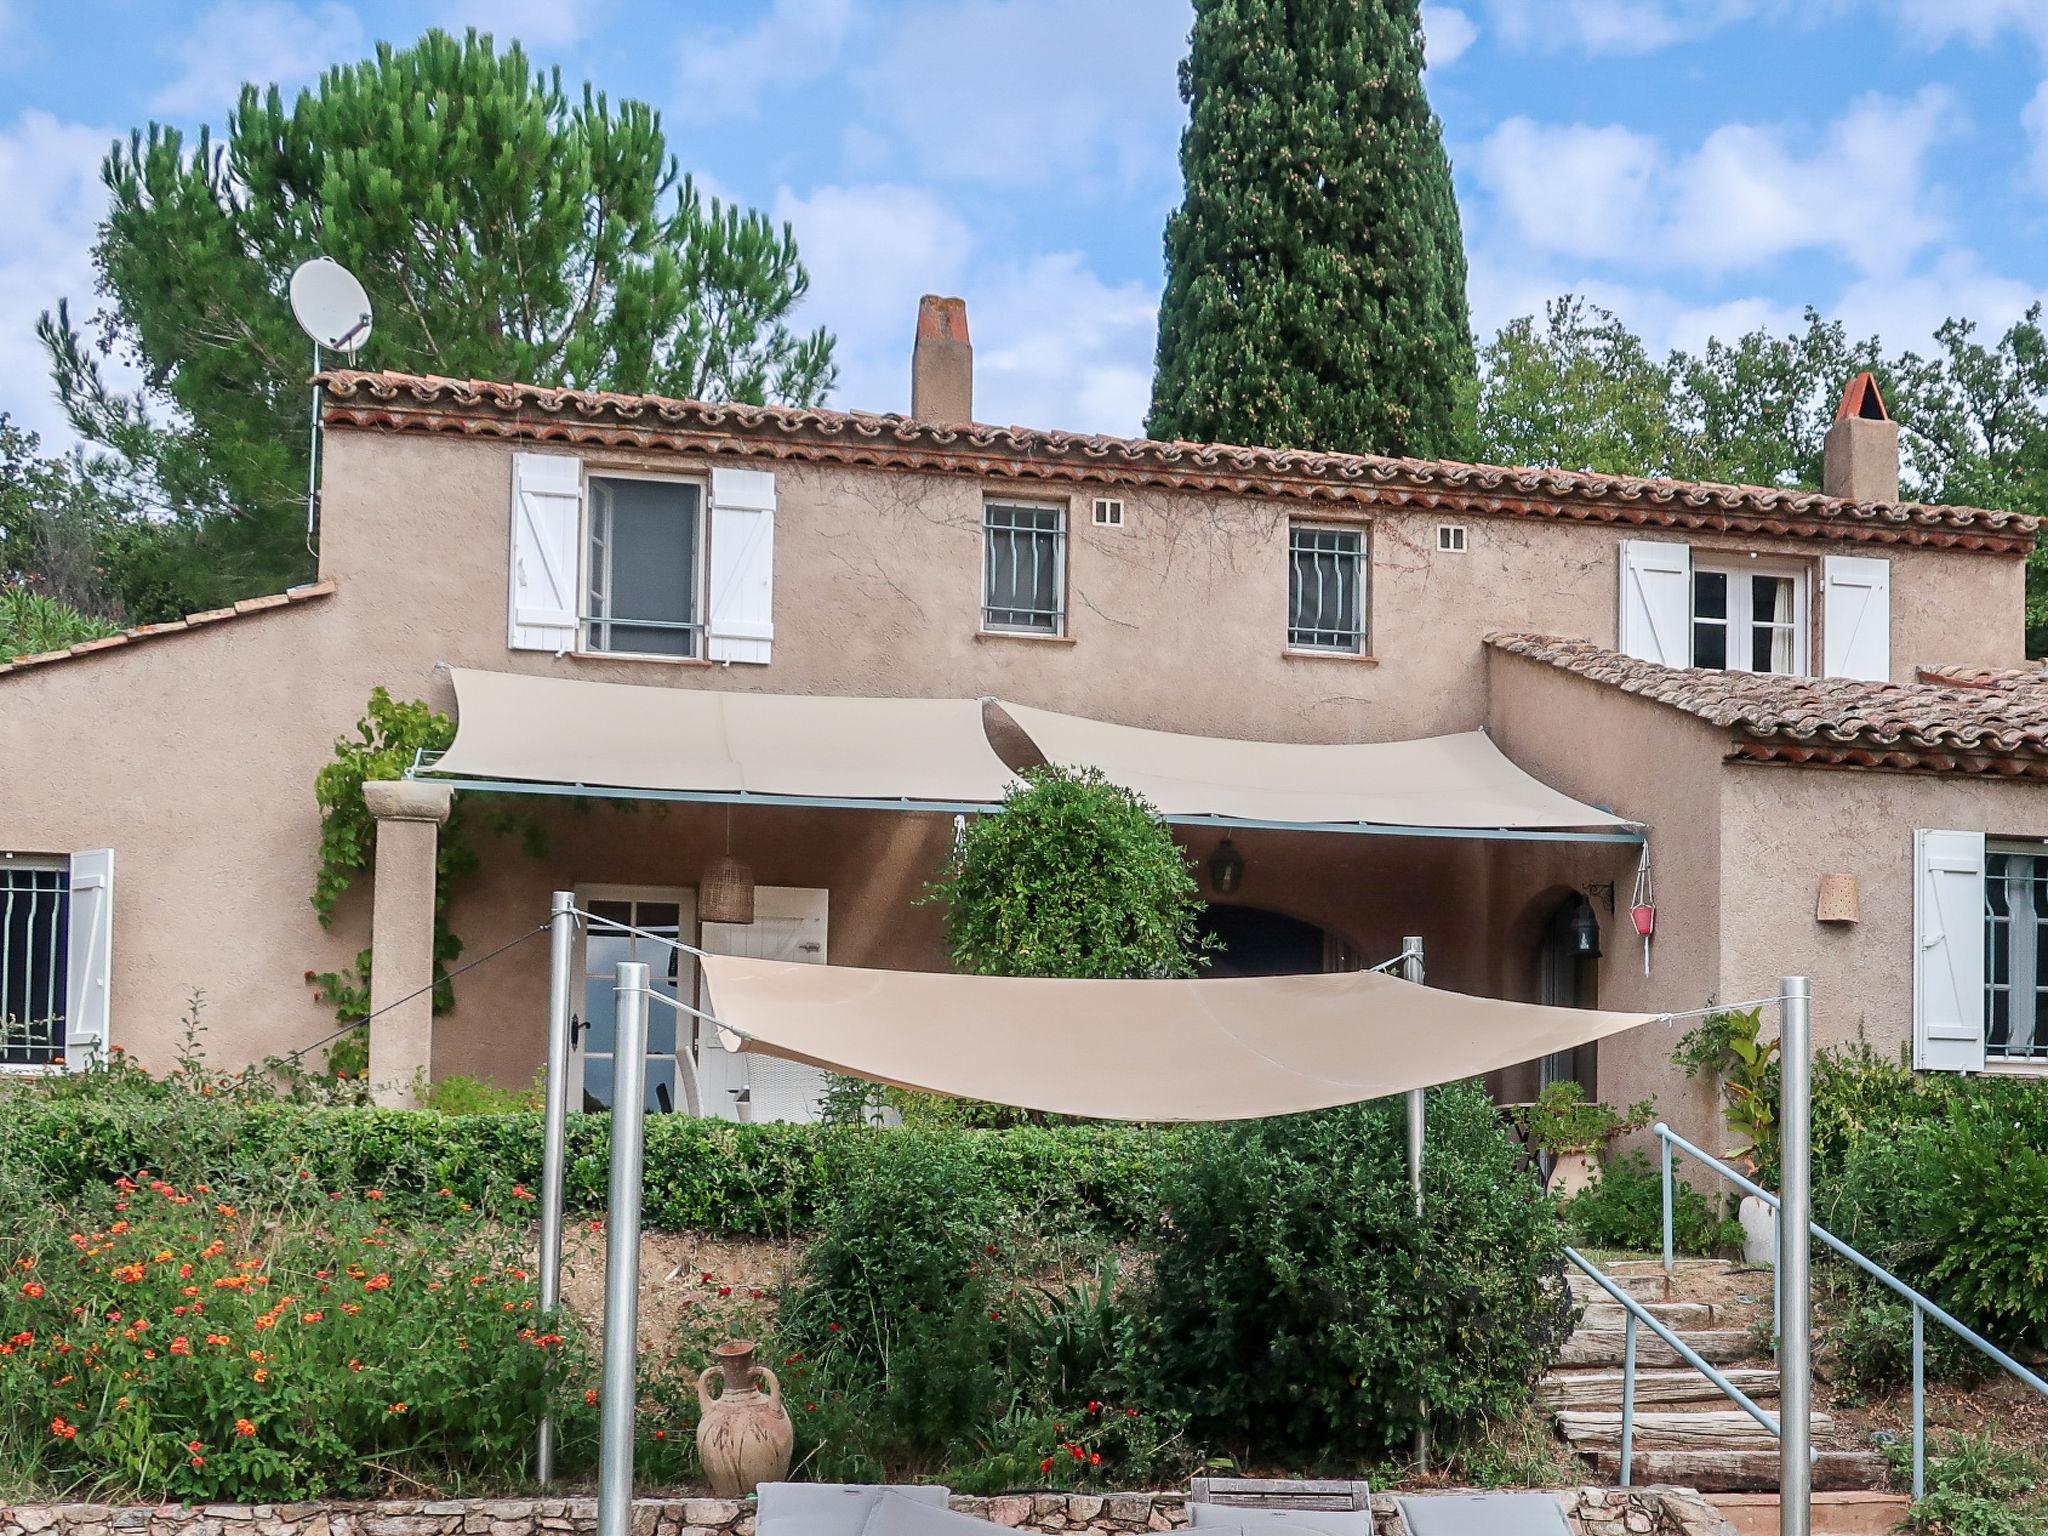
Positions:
{"x": 726, "y": 893}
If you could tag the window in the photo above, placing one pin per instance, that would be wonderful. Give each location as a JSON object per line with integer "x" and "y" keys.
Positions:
{"x": 643, "y": 558}
{"x": 1746, "y": 620}
{"x": 35, "y": 923}
{"x": 1450, "y": 538}
{"x": 1024, "y": 576}
{"x": 1109, "y": 512}
{"x": 2016, "y": 952}
{"x": 1326, "y": 589}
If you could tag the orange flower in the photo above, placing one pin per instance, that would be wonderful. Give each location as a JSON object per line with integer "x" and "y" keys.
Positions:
{"x": 181, "y": 1345}
{"x": 373, "y": 1194}
{"x": 62, "y": 1430}
{"x": 521, "y": 1192}
{"x": 244, "y": 1428}
{"x": 377, "y": 1282}
{"x": 355, "y": 1365}
{"x": 31, "y": 1289}
{"x": 311, "y": 1317}
{"x": 259, "y": 1374}
{"x": 589, "y": 1395}
{"x": 397, "y": 1408}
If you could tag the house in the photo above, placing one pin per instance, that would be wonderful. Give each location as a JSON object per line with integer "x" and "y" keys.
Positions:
{"x": 1813, "y": 711}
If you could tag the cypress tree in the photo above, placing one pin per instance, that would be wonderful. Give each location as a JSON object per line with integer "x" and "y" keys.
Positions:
{"x": 1315, "y": 270}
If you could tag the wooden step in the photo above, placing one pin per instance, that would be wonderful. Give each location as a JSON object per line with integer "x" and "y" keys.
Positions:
{"x": 1702, "y": 1430}
{"x": 1602, "y": 1388}
{"x": 1676, "y": 1315}
{"x": 1739, "y": 1471}
{"x": 1601, "y": 1346}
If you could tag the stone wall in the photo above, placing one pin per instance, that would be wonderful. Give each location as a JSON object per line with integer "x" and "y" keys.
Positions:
{"x": 1593, "y": 1512}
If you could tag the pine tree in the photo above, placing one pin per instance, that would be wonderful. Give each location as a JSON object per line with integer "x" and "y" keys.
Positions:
{"x": 1315, "y": 287}
{"x": 503, "y": 231}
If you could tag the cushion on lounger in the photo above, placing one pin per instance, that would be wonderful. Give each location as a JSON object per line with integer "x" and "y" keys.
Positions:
{"x": 831, "y": 1509}
{"x": 1280, "y": 1522}
{"x": 1485, "y": 1514}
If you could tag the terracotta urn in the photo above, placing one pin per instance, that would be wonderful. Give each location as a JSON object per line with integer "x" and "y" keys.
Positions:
{"x": 744, "y": 1436}
{"x": 1572, "y": 1173}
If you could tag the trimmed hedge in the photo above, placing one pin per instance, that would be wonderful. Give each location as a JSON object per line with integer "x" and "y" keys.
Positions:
{"x": 755, "y": 1180}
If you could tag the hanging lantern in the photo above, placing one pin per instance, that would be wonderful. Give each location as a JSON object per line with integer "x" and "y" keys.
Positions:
{"x": 726, "y": 893}
{"x": 1226, "y": 869}
{"x": 1585, "y": 932}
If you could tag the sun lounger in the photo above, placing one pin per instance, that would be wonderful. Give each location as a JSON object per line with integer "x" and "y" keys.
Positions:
{"x": 1484, "y": 1514}
{"x": 835, "y": 1509}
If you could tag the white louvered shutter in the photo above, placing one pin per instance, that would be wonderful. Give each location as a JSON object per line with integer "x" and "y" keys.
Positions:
{"x": 1856, "y": 617}
{"x": 547, "y": 523}
{"x": 1948, "y": 951}
{"x": 1656, "y": 601}
{"x": 89, "y": 951}
{"x": 742, "y": 606}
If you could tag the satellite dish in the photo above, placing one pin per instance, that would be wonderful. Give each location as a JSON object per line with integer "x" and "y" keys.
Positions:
{"x": 330, "y": 305}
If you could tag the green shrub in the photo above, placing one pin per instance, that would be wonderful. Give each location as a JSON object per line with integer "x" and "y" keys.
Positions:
{"x": 1564, "y": 1121}
{"x": 1624, "y": 1208}
{"x": 1977, "y": 1488}
{"x": 465, "y": 1095}
{"x": 1298, "y": 1311}
{"x": 1870, "y": 1336}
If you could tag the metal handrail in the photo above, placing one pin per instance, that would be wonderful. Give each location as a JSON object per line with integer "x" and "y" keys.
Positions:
{"x": 1634, "y": 1312}
{"x": 1921, "y": 1305}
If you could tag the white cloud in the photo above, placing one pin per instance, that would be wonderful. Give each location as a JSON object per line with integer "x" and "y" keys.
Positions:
{"x": 2034, "y": 120}
{"x": 725, "y": 70}
{"x": 50, "y": 169}
{"x": 1747, "y": 196}
{"x": 1977, "y": 22}
{"x": 1447, "y": 32}
{"x": 1609, "y": 26}
{"x": 263, "y": 42}
{"x": 1055, "y": 345}
{"x": 536, "y": 23}
{"x": 1905, "y": 309}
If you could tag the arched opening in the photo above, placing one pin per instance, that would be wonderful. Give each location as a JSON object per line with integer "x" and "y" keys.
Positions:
{"x": 1257, "y": 942}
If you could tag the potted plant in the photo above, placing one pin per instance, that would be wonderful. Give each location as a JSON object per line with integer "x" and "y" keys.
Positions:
{"x": 1574, "y": 1130}
{"x": 1729, "y": 1046}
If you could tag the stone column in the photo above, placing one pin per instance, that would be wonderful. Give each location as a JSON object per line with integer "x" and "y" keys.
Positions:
{"x": 409, "y": 817}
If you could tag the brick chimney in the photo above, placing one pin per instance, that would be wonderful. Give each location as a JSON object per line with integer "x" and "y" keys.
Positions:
{"x": 1860, "y": 458}
{"x": 942, "y": 363}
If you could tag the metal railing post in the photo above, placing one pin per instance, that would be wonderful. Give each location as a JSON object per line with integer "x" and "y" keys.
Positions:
{"x": 1628, "y": 1397}
{"x": 619, "y": 1394}
{"x": 1919, "y": 1403}
{"x": 554, "y": 1135}
{"x": 1669, "y": 1264}
{"x": 1412, "y": 970}
{"x": 1795, "y": 1245}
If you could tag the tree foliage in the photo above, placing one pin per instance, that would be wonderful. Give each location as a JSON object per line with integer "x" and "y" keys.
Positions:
{"x": 1075, "y": 877}
{"x": 1315, "y": 288}
{"x": 503, "y": 229}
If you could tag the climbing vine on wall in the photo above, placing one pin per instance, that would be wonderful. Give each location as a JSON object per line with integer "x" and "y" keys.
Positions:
{"x": 386, "y": 742}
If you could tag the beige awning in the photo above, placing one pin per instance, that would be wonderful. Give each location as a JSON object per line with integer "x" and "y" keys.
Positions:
{"x": 1447, "y": 782}
{"x": 574, "y": 733}
{"x": 1227, "y": 1049}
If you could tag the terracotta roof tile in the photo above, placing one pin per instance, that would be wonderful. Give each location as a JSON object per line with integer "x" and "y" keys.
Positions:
{"x": 1958, "y": 719}
{"x": 470, "y": 407}
{"x": 142, "y": 632}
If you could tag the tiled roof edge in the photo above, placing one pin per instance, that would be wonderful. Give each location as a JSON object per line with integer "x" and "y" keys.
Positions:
{"x": 425, "y": 403}
{"x": 141, "y": 632}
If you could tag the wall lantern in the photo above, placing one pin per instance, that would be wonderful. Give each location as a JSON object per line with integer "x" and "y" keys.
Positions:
{"x": 1226, "y": 868}
{"x": 1585, "y": 931}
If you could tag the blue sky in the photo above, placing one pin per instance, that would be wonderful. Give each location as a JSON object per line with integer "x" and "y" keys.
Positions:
{"x": 1699, "y": 166}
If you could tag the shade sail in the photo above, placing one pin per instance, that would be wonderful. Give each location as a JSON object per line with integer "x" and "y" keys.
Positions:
{"x": 568, "y": 731}
{"x": 1460, "y": 781}
{"x": 1227, "y": 1049}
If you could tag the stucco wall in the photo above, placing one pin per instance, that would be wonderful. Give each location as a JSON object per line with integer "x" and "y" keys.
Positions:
{"x": 193, "y": 756}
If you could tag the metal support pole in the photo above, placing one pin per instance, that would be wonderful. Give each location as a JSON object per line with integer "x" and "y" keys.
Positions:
{"x": 620, "y": 1390}
{"x": 1411, "y": 970}
{"x": 1795, "y": 1244}
{"x": 1669, "y": 1262}
{"x": 313, "y": 467}
{"x": 1628, "y": 1396}
{"x": 1919, "y": 1403}
{"x": 554, "y": 1135}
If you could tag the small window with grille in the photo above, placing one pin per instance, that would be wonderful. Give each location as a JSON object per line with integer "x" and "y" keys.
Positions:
{"x": 1024, "y": 577}
{"x": 1326, "y": 589}
{"x": 2015, "y": 945}
{"x": 35, "y": 925}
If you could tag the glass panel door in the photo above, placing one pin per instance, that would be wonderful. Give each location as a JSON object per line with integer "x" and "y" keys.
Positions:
{"x": 608, "y": 940}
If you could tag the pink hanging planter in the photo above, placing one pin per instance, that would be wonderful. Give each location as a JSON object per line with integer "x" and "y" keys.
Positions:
{"x": 1644, "y": 916}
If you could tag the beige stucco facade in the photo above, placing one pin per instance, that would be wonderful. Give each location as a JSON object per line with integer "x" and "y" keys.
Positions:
{"x": 193, "y": 755}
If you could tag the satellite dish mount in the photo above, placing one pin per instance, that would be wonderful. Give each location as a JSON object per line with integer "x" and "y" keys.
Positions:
{"x": 332, "y": 309}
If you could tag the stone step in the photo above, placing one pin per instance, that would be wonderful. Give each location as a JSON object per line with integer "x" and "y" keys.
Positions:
{"x": 1703, "y": 1430}
{"x": 1601, "y": 1346}
{"x": 1739, "y": 1471}
{"x": 1601, "y": 1388}
{"x": 1677, "y": 1315}
{"x": 1649, "y": 1287}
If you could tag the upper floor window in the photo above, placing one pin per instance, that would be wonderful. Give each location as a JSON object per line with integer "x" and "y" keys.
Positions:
{"x": 35, "y": 924}
{"x": 1024, "y": 567}
{"x": 2016, "y": 952}
{"x": 1748, "y": 620}
{"x": 643, "y": 560}
{"x": 1326, "y": 589}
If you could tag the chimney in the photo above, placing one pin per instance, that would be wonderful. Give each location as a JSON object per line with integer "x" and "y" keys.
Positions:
{"x": 1860, "y": 459}
{"x": 942, "y": 363}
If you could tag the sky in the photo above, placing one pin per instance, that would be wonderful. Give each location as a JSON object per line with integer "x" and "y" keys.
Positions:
{"x": 1700, "y": 167}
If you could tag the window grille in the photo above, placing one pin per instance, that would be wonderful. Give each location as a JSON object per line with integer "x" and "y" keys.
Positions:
{"x": 644, "y": 553}
{"x": 1326, "y": 589}
{"x": 2015, "y": 949}
{"x": 35, "y": 923}
{"x": 1024, "y": 577}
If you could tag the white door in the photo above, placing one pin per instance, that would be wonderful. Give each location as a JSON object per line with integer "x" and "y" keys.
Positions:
{"x": 789, "y": 924}
{"x": 658, "y": 914}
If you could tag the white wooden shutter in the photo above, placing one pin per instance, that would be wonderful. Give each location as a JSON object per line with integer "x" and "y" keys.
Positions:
{"x": 547, "y": 527}
{"x": 1948, "y": 951}
{"x": 1656, "y": 601}
{"x": 89, "y": 954}
{"x": 742, "y": 616}
{"x": 1856, "y": 617}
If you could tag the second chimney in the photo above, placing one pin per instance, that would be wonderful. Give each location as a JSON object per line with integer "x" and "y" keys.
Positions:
{"x": 1860, "y": 457}
{"x": 942, "y": 363}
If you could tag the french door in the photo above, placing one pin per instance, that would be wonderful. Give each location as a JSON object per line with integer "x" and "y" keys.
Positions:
{"x": 789, "y": 924}
{"x": 665, "y": 913}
